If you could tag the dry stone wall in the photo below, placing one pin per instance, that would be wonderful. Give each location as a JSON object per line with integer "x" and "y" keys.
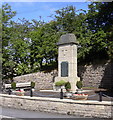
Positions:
{"x": 92, "y": 76}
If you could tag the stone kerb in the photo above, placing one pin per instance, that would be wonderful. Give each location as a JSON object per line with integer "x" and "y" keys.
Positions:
{"x": 87, "y": 108}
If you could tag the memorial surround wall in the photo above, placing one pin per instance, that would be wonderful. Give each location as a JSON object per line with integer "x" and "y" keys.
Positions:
{"x": 97, "y": 75}
{"x": 94, "y": 75}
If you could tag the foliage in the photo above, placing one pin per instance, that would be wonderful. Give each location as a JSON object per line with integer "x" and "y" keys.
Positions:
{"x": 43, "y": 45}
{"x": 7, "y": 62}
{"x": 91, "y": 37}
{"x": 20, "y": 41}
{"x": 79, "y": 84}
{"x": 67, "y": 85}
{"x": 32, "y": 84}
{"x": 100, "y": 24}
{"x": 29, "y": 47}
{"x": 60, "y": 83}
{"x": 66, "y": 19}
{"x": 13, "y": 85}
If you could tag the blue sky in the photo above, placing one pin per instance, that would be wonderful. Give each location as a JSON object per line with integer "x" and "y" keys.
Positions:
{"x": 33, "y": 10}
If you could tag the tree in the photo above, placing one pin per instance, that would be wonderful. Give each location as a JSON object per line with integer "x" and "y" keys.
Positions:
{"x": 100, "y": 22}
{"x": 69, "y": 21}
{"x": 15, "y": 47}
{"x": 20, "y": 46}
{"x": 66, "y": 19}
{"x": 43, "y": 45}
{"x": 7, "y": 14}
{"x": 105, "y": 19}
{"x": 93, "y": 30}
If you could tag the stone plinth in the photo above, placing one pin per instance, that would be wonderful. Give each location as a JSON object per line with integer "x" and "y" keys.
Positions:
{"x": 67, "y": 60}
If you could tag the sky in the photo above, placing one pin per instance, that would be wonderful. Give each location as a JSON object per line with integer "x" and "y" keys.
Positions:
{"x": 33, "y": 10}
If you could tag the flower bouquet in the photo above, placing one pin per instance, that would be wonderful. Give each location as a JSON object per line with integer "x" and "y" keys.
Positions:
{"x": 80, "y": 96}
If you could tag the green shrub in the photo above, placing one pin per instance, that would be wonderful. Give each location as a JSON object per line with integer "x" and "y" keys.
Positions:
{"x": 67, "y": 86}
{"x": 79, "y": 84}
{"x": 60, "y": 83}
{"x": 13, "y": 85}
{"x": 32, "y": 84}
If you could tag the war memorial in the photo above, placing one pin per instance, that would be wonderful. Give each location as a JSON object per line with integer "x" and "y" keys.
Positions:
{"x": 67, "y": 60}
{"x": 67, "y": 72}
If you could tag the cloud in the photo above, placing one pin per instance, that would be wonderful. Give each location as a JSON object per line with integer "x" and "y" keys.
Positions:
{"x": 49, "y": 7}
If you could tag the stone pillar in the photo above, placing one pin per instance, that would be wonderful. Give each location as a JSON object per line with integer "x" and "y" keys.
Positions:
{"x": 67, "y": 60}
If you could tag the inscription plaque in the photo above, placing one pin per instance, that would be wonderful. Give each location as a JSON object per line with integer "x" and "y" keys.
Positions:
{"x": 64, "y": 69}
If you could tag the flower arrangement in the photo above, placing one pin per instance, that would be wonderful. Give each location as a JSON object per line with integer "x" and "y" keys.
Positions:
{"x": 80, "y": 96}
{"x": 20, "y": 92}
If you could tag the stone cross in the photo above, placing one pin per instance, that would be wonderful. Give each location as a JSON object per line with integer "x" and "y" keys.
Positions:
{"x": 67, "y": 60}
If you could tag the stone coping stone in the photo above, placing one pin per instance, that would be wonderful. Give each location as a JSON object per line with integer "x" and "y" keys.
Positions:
{"x": 58, "y": 91}
{"x": 83, "y": 91}
{"x": 87, "y": 102}
{"x": 48, "y": 91}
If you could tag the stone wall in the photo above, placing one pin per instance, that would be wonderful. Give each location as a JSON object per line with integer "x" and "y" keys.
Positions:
{"x": 95, "y": 75}
{"x": 92, "y": 109}
{"x": 42, "y": 80}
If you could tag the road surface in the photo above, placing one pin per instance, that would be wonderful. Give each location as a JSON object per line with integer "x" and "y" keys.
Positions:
{"x": 14, "y": 114}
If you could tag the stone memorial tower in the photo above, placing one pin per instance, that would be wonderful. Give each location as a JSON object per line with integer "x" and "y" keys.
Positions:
{"x": 67, "y": 60}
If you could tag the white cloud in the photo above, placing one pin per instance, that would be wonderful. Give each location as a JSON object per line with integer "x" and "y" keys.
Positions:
{"x": 50, "y": 8}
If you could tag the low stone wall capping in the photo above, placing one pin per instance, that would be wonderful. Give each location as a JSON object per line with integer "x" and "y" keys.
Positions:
{"x": 92, "y": 109}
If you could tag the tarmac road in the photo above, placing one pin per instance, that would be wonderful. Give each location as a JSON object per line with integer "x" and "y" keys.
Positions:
{"x": 14, "y": 114}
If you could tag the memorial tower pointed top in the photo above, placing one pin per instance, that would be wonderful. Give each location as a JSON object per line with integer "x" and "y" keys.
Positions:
{"x": 67, "y": 39}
